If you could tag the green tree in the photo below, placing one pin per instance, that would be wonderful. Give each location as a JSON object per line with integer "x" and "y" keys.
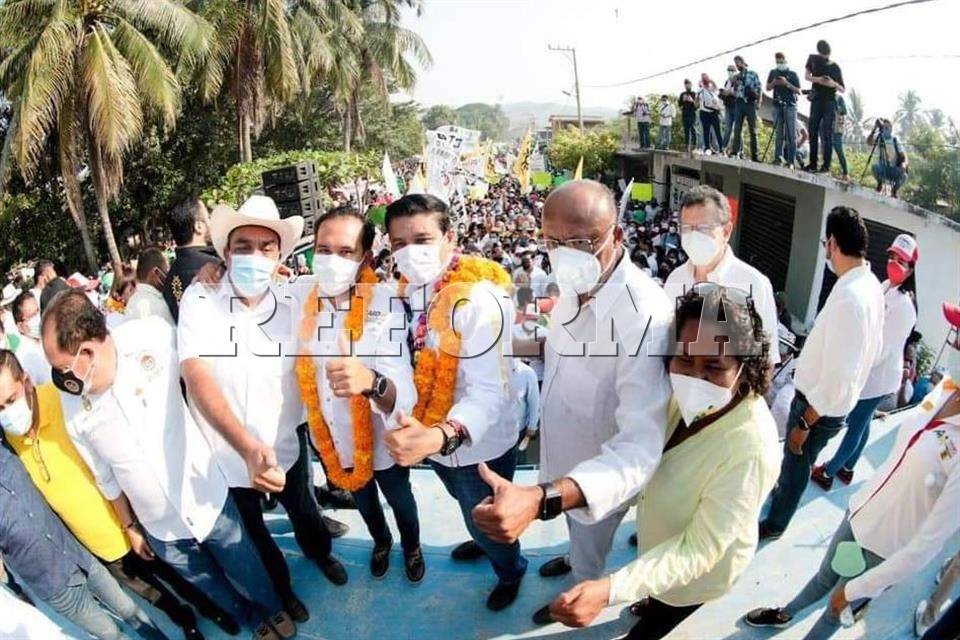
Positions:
{"x": 85, "y": 76}
{"x": 908, "y": 113}
{"x": 856, "y": 115}
{"x": 396, "y": 129}
{"x": 596, "y": 146}
{"x": 439, "y": 115}
{"x": 488, "y": 119}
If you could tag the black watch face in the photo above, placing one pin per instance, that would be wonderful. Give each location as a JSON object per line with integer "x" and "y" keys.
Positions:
{"x": 381, "y": 387}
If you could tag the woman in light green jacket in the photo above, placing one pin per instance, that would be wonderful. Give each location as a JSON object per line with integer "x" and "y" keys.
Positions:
{"x": 697, "y": 517}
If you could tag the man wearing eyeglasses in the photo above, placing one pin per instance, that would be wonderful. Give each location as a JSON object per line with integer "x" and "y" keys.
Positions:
{"x": 705, "y": 227}
{"x": 604, "y": 394}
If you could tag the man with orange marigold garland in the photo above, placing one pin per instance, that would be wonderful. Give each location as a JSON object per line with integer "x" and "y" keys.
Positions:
{"x": 356, "y": 387}
{"x": 236, "y": 343}
{"x": 461, "y": 421}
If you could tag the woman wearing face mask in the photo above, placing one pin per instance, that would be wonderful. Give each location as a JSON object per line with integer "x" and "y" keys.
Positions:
{"x": 899, "y": 318}
{"x": 696, "y": 518}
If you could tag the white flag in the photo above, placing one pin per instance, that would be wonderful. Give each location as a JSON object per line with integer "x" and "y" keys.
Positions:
{"x": 625, "y": 198}
{"x": 390, "y": 178}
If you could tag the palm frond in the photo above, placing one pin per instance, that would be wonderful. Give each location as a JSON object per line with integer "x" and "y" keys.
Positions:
{"x": 176, "y": 26}
{"x": 227, "y": 19}
{"x": 155, "y": 79}
{"x": 22, "y": 19}
{"x": 6, "y": 153}
{"x": 276, "y": 44}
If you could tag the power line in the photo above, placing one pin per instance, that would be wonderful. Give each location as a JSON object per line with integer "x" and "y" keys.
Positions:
{"x": 760, "y": 41}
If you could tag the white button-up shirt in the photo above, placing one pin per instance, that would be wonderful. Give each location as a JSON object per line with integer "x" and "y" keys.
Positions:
{"x": 138, "y": 437}
{"x": 146, "y": 302}
{"x": 734, "y": 272}
{"x": 383, "y": 348}
{"x": 252, "y": 352}
{"x": 605, "y": 390}
{"x": 912, "y": 516}
{"x": 843, "y": 345}
{"x": 481, "y": 395}
{"x": 899, "y": 318}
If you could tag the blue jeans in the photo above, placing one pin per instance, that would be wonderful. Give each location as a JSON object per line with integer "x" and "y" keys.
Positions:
{"x": 469, "y": 489}
{"x": 785, "y": 142}
{"x": 226, "y": 566}
{"x": 663, "y": 140}
{"x": 856, "y": 436}
{"x": 745, "y": 111}
{"x": 710, "y": 121}
{"x": 729, "y": 117}
{"x": 883, "y": 172}
{"x": 822, "y": 114}
{"x": 81, "y": 604}
{"x": 841, "y": 156}
{"x": 643, "y": 132}
{"x": 825, "y": 581}
{"x": 795, "y": 469}
{"x": 395, "y": 485}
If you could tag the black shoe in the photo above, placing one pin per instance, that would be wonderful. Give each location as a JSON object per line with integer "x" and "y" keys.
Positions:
{"x": 192, "y": 633}
{"x": 542, "y": 615}
{"x": 632, "y": 540}
{"x": 268, "y": 502}
{"x": 468, "y": 550}
{"x": 380, "y": 559}
{"x": 333, "y": 569}
{"x": 810, "y": 168}
{"x": 768, "y": 618}
{"x": 823, "y": 169}
{"x": 559, "y": 566}
{"x": 766, "y": 533}
{"x": 296, "y": 609}
{"x": 336, "y": 528}
{"x": 502, "y": 595}
{"x": 334, "y": 498}
{"x": 637, "y": 608}
{"x": 415, "y": 566}
{"x": 225, "y": 621}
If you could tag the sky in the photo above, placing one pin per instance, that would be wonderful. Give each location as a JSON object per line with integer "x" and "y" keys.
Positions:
{"x": 495, "y": 51}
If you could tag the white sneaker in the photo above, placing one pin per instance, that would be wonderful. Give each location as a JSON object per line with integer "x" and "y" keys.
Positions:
{"x": 919, "y": 628}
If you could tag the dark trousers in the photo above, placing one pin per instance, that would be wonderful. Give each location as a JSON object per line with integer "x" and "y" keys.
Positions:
{"x": 395, "y": 485}
{"x": 643, "y": 133}
{"x": 468, "y": 489}
{"x": 710, "y": 121}
{"x": 690, "y": 129}
{"x": 658, "y": 619}
{"x": 948, "y": 626}
{"x": 745, "y": 111}
{"x": 795, "y": 469}
{"x": 303, "y": 511}
{"x": 822, "y": 114}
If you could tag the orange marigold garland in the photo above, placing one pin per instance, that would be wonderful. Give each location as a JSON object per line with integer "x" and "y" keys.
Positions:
{"x": 360, "y": 412}
{"x": 435, "y": 370}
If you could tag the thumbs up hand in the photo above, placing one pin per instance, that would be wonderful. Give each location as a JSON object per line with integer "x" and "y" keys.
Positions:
{"x": 413, "y": 441}
{"x": 505, "y": 515}
{"x": 347, "y": 376}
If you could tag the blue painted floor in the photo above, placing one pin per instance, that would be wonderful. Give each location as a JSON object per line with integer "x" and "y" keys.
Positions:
{"x": 449, "y": 604}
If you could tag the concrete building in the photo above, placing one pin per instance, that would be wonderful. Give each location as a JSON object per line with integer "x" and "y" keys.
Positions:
{"x": 780, "y": 222}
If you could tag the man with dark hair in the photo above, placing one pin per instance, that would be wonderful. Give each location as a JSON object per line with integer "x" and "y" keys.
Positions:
{"x": 827, "y": 79}
{"x": 785, "y": 85}
{"x": 190, "y": 227}
{"x": 748, "y": 92}
{"x": 147, "y": 299}
{"x": 52, "y": 283}
{"x": 43, "y": 273}
{"x": 462, "y": 421}
{"x": 837, "y": 357}
{"x": 26, "y": 346}
{"x": 688, "y": 114}
{"x": 122, "y": 403}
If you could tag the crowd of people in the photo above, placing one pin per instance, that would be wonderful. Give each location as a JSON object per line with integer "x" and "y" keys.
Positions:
{"x": 145, "y": 433}
{"x": 736, "y": 103}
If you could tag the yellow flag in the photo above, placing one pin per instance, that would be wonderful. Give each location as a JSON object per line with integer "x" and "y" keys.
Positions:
{"x": 521, "y": 168}
{"x": 418, "y": 184}
{"x": 578, "y": 174}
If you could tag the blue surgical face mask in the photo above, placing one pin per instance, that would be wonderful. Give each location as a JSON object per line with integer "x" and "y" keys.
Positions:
{"x": 251, "y": 274}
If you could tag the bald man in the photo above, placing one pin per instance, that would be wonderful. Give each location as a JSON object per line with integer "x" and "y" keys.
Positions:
{"x": 604, "y": 395}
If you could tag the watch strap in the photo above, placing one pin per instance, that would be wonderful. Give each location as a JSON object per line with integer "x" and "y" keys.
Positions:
{"x": 551, "y": 504}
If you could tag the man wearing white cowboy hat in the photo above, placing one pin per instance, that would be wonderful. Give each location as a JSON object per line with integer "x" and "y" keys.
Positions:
{"x": 9, "y": 294}
{"x": 234, "y": 342}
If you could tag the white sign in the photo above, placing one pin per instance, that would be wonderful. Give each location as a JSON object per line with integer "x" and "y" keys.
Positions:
{"x": 446, "y": 145}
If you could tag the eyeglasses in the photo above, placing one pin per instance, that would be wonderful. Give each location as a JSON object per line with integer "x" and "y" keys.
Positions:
{"x": 702, "y": 228}
{"x": 580, "y": 244}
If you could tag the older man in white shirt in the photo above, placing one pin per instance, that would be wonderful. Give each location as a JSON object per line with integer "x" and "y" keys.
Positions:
{"x": 462, "y": 421}
{"x": 125, "y": 413}
{"x": 605, "y": 388}
{"x": 374, "y": 366}
{"x": 237, "y": 343}
{"x": 147, "y": 299}
{"x": 836, "y": 359}
{"x": 705, "y": 227}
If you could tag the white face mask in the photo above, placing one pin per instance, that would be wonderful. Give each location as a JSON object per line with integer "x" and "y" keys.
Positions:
{"x": 334, "y": 273}
{"x": 830, "y": 266}
{"x": 17, "y": 418}
{"x": 251, "y": 274}
{"x": 577, "y": 271}
{"x": 699, "y": 398}
{"x": 700, "y": 247}
{"x": 33, "y": 327}
{"x": 419, "y": 263}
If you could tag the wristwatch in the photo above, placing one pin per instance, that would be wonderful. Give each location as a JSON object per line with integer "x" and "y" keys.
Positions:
{"x": 452, "y": 442}
{"x": 551, "y": 504}
{"x": 378, "y": 388}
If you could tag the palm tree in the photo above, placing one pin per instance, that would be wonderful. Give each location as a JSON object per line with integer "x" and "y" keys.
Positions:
{"x": 908, "y": 113}
{"x": 937, "y": 119}
{"x": 379, "y": 59}
{"x": 855, "y": 116}
{"x": 85, "y": 75}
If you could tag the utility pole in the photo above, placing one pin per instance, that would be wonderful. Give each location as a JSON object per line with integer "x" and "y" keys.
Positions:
{"x": 576, "y": 79}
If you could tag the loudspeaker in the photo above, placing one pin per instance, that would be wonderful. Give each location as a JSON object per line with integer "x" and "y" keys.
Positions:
{"x": 288, "y": 192}
{"x": 296, "y": 191}
{"x": 289, "y": 174}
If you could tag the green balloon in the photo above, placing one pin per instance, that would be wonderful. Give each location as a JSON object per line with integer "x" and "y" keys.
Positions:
{"x": 559, "y": 180}
{"x": 378, "y": 215}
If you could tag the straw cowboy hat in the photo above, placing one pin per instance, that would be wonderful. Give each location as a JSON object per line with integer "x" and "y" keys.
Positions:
{"x": 257, "y": 211}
